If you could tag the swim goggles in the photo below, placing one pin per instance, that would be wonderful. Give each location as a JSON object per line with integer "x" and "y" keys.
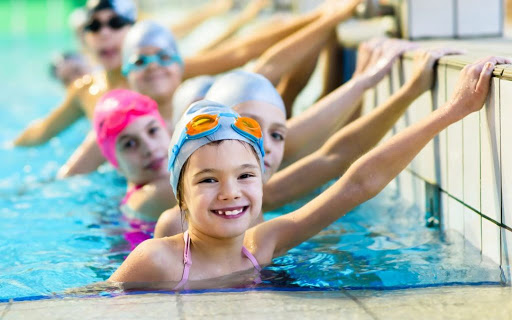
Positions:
{"x": 114, "y": 23}
{"x": 139, "y": 62}
{"x": 205, "y": 124}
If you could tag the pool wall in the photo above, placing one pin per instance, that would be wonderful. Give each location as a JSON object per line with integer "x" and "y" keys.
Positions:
{"x": 469, "y": 164}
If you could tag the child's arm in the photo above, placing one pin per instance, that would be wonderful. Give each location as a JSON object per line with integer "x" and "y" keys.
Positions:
{"x": 199, "y": 15}
{"x": 309, "y": 130}
{"x": 248, "y": 14}
{"x": 236, "y": 54}
{"x": 42, "y": 130}
{"x": 352, "y": 141}
{"x": 86, "y": 158}
{"x": 288, "y": 54}
{"x": 371, "y": 173}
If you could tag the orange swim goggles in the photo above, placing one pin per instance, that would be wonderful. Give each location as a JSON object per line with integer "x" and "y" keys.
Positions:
{"x": 206, "y": 124}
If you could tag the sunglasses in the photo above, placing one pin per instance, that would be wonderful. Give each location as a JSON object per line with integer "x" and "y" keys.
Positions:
{"x": 114, "y": 23}
{"x": 206, "y": 124}
{"x": 139, "y": 62}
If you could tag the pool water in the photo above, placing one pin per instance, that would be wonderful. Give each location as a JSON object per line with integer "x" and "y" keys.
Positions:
{"x": 62, "y": 234}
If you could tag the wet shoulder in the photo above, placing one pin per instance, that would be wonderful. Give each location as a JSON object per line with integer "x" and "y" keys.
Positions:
{"x": 165, "y": 255}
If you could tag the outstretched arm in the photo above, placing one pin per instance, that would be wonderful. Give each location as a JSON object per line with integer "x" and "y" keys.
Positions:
{"x": 352, "y": 141}
{"x": 371, "y": 173}
{"x": 288, "y": 54}
{"x": 199, "y": 15}
{"x": 248, "y": 14}
{"x": 86, "y": 158}
{"x": 42, "y": 130}
{"x": 236, "y": 54}
{"x": 310, "y": 129}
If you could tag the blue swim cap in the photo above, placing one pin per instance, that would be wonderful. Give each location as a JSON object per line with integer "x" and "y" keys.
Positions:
{"x": 124, "y": 8}
{"x": 148, "y": 34}
{"x": 240, "y": 86}
{"x": 188, "y": 92}
{"x": 180, "y": 150}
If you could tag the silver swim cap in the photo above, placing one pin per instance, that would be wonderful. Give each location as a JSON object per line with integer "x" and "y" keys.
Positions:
{"x": 240, "y": 86}
{"x": 148, "y": 34}
{"x": 188, "y": 92}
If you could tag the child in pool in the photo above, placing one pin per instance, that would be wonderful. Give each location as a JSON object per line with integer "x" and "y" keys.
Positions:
{"x": 107, "y": 23}
{"x": 219, "y": 186}
{"x": 253, "y": 96}
{"x": 132, "y": 136}
{"x": 149, "y": 42}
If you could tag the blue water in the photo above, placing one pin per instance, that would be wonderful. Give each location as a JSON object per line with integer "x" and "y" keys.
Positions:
{"x": 58, "y": 235}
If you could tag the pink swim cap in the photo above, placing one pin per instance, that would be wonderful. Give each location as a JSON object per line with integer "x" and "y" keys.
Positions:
{"x": 114, "y": 112}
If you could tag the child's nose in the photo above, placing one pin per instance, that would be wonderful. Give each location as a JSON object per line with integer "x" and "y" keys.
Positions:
{"x": 229, "y": 190}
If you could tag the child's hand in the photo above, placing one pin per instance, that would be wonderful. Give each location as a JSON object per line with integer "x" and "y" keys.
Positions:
{"x": 423, "y": 74}
{"x": 382, "y": 58}
{"x": 473, "y": 86}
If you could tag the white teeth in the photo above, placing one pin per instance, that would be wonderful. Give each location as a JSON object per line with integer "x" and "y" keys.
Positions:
{"x": 230, "y": 213}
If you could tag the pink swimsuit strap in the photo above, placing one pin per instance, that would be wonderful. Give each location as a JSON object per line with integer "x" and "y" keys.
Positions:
{"x": 187, "y": 261}
{"x": 130, "y": 192}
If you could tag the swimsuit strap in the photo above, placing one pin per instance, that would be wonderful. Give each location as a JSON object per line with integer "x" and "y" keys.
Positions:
{"x": 249, "y": 256}
{"x": 130, "y": 192}
{"x": 187, "y": 260}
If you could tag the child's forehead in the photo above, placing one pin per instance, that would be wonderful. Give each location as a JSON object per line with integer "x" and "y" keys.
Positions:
{"x": 222, "y": 155}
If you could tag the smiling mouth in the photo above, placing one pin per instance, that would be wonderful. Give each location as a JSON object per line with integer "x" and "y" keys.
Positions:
{"x": 107, "y": 53}
{"x": 231, "y": 213}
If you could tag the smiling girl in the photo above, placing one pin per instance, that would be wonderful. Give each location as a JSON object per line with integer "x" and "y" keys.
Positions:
{"x": 216, "y": 171}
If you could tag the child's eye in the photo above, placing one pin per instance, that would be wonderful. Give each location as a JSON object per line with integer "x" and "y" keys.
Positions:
{"x": 277, "y": 136}
{"x": 246, "y": 176}
{"x": 153, "y": 130}
{"x": 208, "y": 180}
{"x": 129, "y": 144}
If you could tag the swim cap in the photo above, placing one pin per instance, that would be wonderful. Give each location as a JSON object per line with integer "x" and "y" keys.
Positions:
{"x": 225, "y": 131}
{"x": 123, "y": 8}
{"x": 148, "y": 34}
{"x": 188, "y": 92}
{"x": 115, "y": 111}
{"x": 240, "y": 86}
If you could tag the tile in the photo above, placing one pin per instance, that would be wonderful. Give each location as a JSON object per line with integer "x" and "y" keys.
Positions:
{"x": 506, "y": 151}
{"x": 445, "y": 214}
{"x": 479, "y": 18}
{"x": 454, "y": 145}
{"x": 506, "y": 253}
{"x": 419, "y": 193}
{"x": 456, "y": 216}
{"x": 124, "y": 307}
{"x": 473, "y": 228}
{"x": 440, "y": 141}
{"x": 406, "y": 186}
{"x": 417, "y": 18}
{"x": 490, "y": 155}
{"x": 471, "y": 152}
{"x": 491, "y": 239}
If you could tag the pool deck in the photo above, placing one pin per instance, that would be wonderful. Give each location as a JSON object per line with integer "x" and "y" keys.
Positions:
{"x": 430, "y": 303}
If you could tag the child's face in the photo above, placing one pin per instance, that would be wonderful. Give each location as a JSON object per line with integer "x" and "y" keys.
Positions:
{"x": 71, "y": 69}
{"x": 156, "y": 81}
{"x": 273, "y": 126}
{"x": 141, "y": 150}
{"x": 106, "y": 43}
{"x": 222, "y": 189}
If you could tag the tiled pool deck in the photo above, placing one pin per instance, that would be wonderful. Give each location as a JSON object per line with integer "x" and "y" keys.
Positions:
{"x": 430, "y": 303}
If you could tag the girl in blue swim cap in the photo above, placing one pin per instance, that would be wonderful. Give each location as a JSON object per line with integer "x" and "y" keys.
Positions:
{"x": 253, "y": 96}
{"x": 215, "y": 164}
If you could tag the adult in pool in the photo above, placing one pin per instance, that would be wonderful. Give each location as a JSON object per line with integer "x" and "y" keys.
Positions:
{"x": 219, "y": 186}
{"x": 253, "y": 96}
